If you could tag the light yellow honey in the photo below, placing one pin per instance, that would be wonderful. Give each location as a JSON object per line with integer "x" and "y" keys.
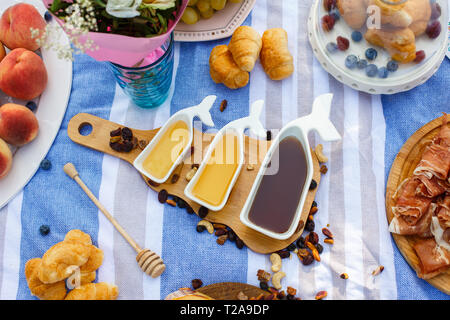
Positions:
{"x": 214, "y": 180}
{"x": 166, "y": 151}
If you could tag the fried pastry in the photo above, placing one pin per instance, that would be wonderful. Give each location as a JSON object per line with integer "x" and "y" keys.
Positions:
{"x": 52, "y": 291}
{"x": 400, "y": 43}
{"x": 353, "y": 12}
{"x": 245, "y": 45}
{"x": 94, "y": 291}
{"x": 276, "y": 59}
{"x": 223, "y": 68}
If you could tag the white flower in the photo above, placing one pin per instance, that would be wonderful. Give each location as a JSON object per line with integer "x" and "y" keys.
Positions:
{"x": 123, "y": 8}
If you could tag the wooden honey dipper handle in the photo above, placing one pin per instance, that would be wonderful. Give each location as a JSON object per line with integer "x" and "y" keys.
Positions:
{"x": 148, "y": 261}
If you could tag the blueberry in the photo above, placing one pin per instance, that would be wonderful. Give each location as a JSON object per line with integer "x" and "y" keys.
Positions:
{"x": 392, "y": 66}
{"x": 371, "y": 70}
{"x": 350, "y": 61}
{"x": 356, "y": 36}
{"x": 361, "y": 64}
{"x": 48, "y": 16}
{"x": 335, "y": 14}
{"x": 31, "y": 105}
{"x": 45, "y": 164}
{"x": 383, "y": 72}
{"x": 332, "y": 47}
{"x": 44, "y": 230}
{"x": 371, "y": 54}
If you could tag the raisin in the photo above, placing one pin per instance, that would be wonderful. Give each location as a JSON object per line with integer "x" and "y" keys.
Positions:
{"x": 314, "y": 204}
{"x": 203, "y": 212}
{"x": 301, "y": 243}
{"x": 313, "y": 185}
{"x": 197, "y": 283}
{"x": 310, "y": 225}
{"x": 231, "y": 236}
{"x": 189, "y": 209}
{"x": 291, "y": 247}
{"x": 313, "y": 237}
{"x": 162, "y": 196}
{"x": 433, "y": 29}
{"x": 128, "y": 146}
{"x": 127, "y": 134}
{"x": 220, "y": 232}
{"x": 239, "y": 243}
{"x": 263, "y": 285}
{"x": 115, "y": 133}
{"x": 200, "y": 228}
{"x": 319, "y": 247}
{"x": 342, "y": 43}
{"x": 420, "y": 55}
{"x": 284, "y": 254}
{"x": 328, "y": 23}
{"x": 269, "y": 135}
{"x": 307, "y": 260}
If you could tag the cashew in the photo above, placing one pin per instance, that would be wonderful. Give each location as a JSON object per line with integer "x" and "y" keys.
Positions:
{"x": 276, "y": 262}
{"x": 208, "y": 225}
{"x": 276, "y": 279}
{"x": 191, "y": 174}
{"x": 319, "y": 153}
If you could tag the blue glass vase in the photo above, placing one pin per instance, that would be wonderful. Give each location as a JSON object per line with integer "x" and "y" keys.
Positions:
{"x": 148, "y": 86}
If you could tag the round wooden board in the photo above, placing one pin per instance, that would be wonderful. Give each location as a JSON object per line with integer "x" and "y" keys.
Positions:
{"x": 230, "y": 290}
{"x": 98, "y": 140}
{"x": 404, "y": 164}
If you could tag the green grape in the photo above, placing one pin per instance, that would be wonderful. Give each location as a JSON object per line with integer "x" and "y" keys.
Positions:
{"x": 218, "y": 4}
{"x": 192, "y": 3}
{"x": 203, "y": 5}
{"x": 190, "y": 16}
{"x": 207, "y": 14}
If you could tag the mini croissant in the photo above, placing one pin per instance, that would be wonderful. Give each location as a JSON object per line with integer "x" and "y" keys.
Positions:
{"x": 400, "y": 43}
{"x": 276, "y": 59}
{"x": 52, "y": 291}
{"x": 94, "y": 291}
{"x": 353, "y": 12}
{"x": 245, "y": 45}
{"x": 224, "y": 70}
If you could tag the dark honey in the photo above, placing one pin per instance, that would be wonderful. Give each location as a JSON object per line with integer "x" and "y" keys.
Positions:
{"x": 278, "y": 195}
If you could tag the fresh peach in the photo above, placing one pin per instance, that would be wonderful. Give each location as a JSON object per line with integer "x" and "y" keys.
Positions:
{"x": 5, "y": 159}
{"x": 2, "y": 52}
{"x": 18, "y": 125}
{"x": 15, "y": 26}
{"x": 23, "y": 74}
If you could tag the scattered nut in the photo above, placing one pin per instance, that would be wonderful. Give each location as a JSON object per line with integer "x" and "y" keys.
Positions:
{"x": 276, "y": 279}
{"x": 276, "y": 262}
{"x": 250, "y": 167}
{"x": 319, "y": 153}
{"x": 222, "y": 239}
{"x": 208, "y": 225}
{"x": 291, "y": 291}
{"x": 378, "y": 270}
{"x": 115, "y": 139}
{"x": 329, "y": 241}
{"x": 263, "y": 275}
{"x": 314, "y": 251}
{"x": 162, "y": 196}
{"x": 241, "y": 296}
{"x": 142, "y": 144}
{"x": 321, "y": 294}
{"x": 327, "y": 233}
{"x": 344, "y": 276}
{"x": 310, "y": 217}
{"x": 223, "y": 105}
{"x": 313, "y": 210}
{"x": 191, "y": 174}
{"x": 171, "y": 202}
{"x": 323, "y": 169}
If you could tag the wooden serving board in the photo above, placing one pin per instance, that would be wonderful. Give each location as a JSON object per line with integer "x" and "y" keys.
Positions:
{"x": 402, "y": 168}
{"x": 98, "y": 139}
{"x": 230, "y": 290}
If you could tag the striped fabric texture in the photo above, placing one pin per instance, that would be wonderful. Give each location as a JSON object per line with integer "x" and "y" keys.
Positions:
{"x": 350, "y": 196}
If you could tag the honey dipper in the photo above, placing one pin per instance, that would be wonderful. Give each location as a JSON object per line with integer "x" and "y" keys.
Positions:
{"x": 148, "y": 261}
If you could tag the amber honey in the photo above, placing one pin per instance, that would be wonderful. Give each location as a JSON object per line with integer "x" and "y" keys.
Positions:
{"x": 167, "y": 150}
{"x": 214, "y": 180}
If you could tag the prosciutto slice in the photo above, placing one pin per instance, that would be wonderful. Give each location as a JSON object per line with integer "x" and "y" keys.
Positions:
{"x": 431, "y": 188}
{"x": 421, "y": 228}
{"x": 410, "y": 207}
{"x": 433, "y": 259}
{"x": 435, "y": 160}
{"x": 443, "y": 212}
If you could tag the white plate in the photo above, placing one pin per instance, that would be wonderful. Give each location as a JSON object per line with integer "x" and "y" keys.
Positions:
{"x": 52, "y": 106}
{"x": 221, "y": 25}
{"x": 405, "y": 78}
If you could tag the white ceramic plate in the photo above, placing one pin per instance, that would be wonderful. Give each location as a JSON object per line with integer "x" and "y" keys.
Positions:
{"x": 219, "y": 26}
{"x": 405, "y": 78}
{"x": 52, "y": 106}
